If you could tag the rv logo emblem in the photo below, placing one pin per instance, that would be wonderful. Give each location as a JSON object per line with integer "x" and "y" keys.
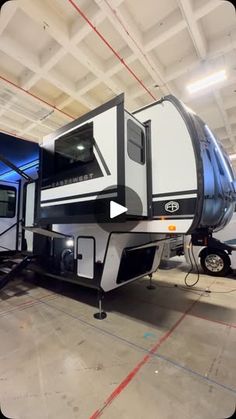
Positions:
{"x": 172, "y": 206}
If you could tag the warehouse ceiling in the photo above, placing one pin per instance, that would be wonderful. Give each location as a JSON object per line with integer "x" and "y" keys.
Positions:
{"x": 61, "y": 58}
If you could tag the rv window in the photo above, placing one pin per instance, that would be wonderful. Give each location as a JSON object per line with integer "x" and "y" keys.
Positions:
{"x": 7, "y": 202}
{"x": 74, "y": 148}
{"x": 136, "y": 143}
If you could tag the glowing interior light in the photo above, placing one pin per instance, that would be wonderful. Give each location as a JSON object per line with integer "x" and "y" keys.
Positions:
{"x": 207, "y": 81}
{"x": 80, "y": 147}
{"x": 70, "y": 242}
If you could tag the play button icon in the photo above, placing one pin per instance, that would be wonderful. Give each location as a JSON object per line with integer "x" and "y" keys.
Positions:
{"x": 116, "y": 209}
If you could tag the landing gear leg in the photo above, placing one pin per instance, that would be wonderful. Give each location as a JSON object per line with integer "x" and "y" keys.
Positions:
{"x": 101, "y": 315}
{"x": 151, "y": 286}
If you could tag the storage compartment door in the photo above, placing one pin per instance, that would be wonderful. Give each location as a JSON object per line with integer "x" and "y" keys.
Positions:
{"x": 85, "y": 257}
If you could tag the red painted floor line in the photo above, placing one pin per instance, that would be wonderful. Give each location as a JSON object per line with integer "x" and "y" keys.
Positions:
{"x": 28, "y": 303}
{"x": 136, "y": 369}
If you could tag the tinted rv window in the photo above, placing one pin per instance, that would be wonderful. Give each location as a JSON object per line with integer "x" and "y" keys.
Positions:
{"x": 74, "y": 148}
{"x": 136, "y": 143}
{"x": 7, "y": 202}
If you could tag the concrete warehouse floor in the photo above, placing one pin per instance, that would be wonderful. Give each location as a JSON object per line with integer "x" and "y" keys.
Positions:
{"x": 159, "y": 354}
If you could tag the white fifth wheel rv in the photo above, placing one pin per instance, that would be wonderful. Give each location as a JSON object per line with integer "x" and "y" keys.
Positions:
{"x": 162, "y": 163}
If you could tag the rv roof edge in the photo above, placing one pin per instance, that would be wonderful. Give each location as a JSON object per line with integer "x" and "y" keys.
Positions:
{"x": 88, "y": 115}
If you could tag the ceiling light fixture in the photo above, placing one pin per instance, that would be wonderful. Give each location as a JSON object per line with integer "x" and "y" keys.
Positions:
{"x": 232, "y": 157}
{"x": 80, "y": 147}
{"x": 207, "y": 81}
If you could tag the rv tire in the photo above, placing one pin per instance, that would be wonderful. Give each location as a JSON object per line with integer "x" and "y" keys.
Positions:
{"x": 215, "y": 262}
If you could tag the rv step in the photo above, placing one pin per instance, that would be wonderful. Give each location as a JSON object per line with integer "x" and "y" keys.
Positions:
{"x": 5, "y": 270}
{"x": 10, "y": 273}
{"x": 15, "y": 261}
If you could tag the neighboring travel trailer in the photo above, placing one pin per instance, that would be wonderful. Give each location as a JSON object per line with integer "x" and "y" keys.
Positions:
{"x": 162, "y": 165}
{"x": 12, "y": 202}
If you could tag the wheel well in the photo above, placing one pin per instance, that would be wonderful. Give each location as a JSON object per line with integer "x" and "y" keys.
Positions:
{"x": 202, "y": 251}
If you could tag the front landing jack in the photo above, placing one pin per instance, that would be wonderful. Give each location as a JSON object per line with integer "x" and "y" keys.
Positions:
{"x": 101, "y": 315}
{"x": 151, "y": 286}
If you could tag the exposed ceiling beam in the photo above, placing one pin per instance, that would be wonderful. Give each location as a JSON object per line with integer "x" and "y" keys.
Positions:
{"x": 173, "y": 24}
{"x": 79, "y": 29}
{"x": 193, "y": 28}
{"x": 126, "y": 27}
{"x": 14, "y": 49}
{"x": 206, "y": 8}
{"x": 160, "y": 33}
{"x": 43, "y": 13}
{"x": 7, "y": 12}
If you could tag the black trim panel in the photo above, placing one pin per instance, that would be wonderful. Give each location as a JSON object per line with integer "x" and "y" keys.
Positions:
{"x": 77, "y": 212}
{"x": 147, "y": 126}
{"x": 121, "y": 153}
{"x": 187, "y": 207}
{"x": 102, "y": 159}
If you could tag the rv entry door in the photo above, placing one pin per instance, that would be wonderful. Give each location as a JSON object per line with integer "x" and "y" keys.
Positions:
{"x": 85, "y": 257}
{"x": 9, "y": 222}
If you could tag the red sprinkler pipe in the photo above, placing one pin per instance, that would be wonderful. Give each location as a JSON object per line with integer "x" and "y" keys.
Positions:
{"x": 11, "y": 134}
{"x": 82, "y": 14}
{"x": 36, "y": 97}
{"x": 127, "y": 32}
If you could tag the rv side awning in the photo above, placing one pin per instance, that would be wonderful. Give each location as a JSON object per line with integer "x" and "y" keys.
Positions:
{"x": 47, "y": 233}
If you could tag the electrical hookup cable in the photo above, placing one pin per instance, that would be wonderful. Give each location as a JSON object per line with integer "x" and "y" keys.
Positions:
{"x": 191, "y": 258}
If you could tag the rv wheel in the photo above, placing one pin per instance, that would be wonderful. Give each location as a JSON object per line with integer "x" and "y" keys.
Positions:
{"x": 215, "y": 262}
